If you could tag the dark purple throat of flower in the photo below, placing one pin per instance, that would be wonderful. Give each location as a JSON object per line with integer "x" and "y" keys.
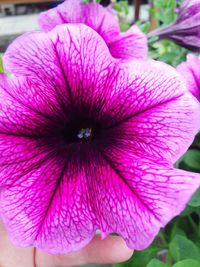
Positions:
{"x": 81, "y": 131}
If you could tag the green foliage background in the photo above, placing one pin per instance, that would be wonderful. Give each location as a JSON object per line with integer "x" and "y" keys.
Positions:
{"x": 1, "y": 64}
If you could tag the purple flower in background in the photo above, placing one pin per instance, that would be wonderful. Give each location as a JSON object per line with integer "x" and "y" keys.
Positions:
{"x": 123, "y": 45}
{"x": 185, "y": 31}
{"x": 89, "y": 143}
{"x": 191, "y": 71}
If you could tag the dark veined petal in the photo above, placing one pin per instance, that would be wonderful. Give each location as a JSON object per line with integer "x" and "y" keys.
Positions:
{"x": 111, "y": 88}
{"x": 132, "y": 44}
{"x": 138, "y": 87}
{"x": 164, "y": 131}
{"x": 47, "y": 206}
{"x": 117, "y": 93}
{"x": 33, "y": 56}
{"x": 21, "y": 155}
{"x": 54, "y": 197}
{"x": 73, "y": 11}
{"x": 60, "y": 60}
{"x": 37, "y": 96}
{"x": 58, "y": 67}
{"x": 110, "y": 190}
{"x": 16, "y": 117}
{"x": 191, "y": 72}
{"x": 140, "y": 196}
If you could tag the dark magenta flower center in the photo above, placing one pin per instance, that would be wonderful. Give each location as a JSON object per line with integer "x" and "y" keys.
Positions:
{"x": 81, "y": 130}
{"x": 85, "y": 134}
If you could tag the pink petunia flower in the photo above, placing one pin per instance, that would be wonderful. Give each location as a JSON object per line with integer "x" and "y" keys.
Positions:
{"x": 123, "y": 45}
{"x": 89, "y": 143}
{"x": 191, "y": 72}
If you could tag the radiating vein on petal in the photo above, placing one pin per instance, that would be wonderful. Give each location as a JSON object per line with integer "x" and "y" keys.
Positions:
{"x": 140, "y": 195}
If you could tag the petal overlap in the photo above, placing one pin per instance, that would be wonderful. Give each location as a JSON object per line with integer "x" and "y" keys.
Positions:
{"x": 132, "y": 44}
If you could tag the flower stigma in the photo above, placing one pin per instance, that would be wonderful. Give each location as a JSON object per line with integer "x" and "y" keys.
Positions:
{"x": 85, "y": 134}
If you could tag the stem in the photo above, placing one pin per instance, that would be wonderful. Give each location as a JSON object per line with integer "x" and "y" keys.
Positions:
{"x": 193, "y": 224}
{"x": 199, "y": 230}
{"x": 169, "y": 260}
{"x": 162, "y": 237}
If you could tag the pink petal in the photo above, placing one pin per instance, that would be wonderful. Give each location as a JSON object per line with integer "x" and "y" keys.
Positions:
{"x": 164, "y": 131}
{"x": 47, "y": 207}
{"x": 34, "y": 55}
{"x": 132, "y": 44}
{"x": 59, "y": 66}
{"x": 191, "y": 72}
{"x": 134, "y": 197}
{"x": 55, "y": 59}
{"x": 112, "y": 190}
{"x": 123, "y": 91}
{"x": 35, "y": 95}
{"x": 55, "y": 196}
{"x": 73, "y": 11}
{"x": 16, "y": 118}
{"x": 21, "y": 155}
{"x": 137, "y": 87}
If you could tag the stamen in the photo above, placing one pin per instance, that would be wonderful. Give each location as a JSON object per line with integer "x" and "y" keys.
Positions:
{"x": 85, "y": 133}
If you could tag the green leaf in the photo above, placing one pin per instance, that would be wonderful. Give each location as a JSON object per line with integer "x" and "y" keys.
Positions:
{"x": 163, "y": 11}
{"x": 197, "y": 140}
{"x": 192, "y": 159}
{"x": 143, "y": 26}
{"x": 177, "y": 231}
{"x": 124, "y": 27}
{"x": 167, "y": 51}
{"x": 187, "y": 211}
{"x": 182, "y": 248}
{"x": 1, "y": 65}
{"x": 155, "y": 263}
{"x": 121, "y": 7}
{"x": 195, "y": 200}
{"x": 187, "y": 263}
{"x": 141, "y": 258}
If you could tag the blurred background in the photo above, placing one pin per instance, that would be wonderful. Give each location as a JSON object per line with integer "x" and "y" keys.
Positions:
{"x": 20, "y": 16}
